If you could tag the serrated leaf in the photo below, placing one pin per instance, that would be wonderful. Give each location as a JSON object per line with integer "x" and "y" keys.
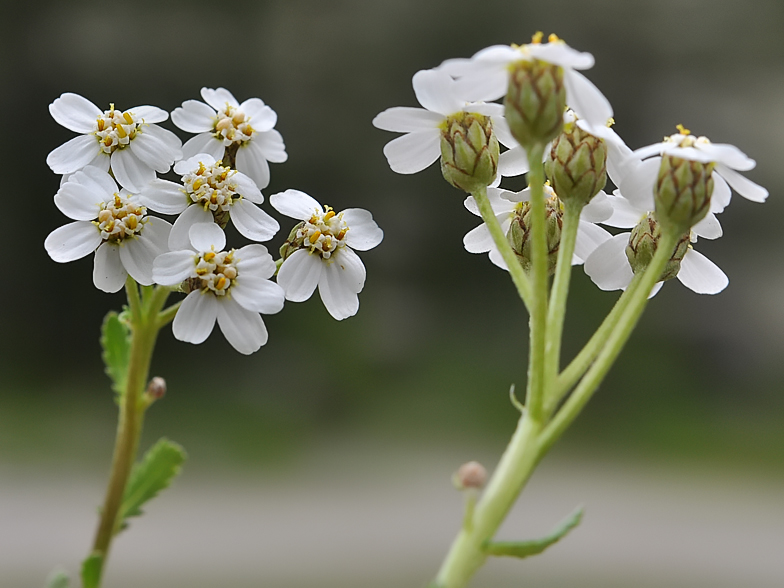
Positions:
{"x": 536, "y": 546}
{"x": 58, "y": 580}
{"x": 158, "y": 468}
{"x": 116, "y": 344}
{"x": 91, "y": 570}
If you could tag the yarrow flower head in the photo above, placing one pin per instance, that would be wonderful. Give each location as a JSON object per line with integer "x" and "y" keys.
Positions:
{"x": 110, "y": 222}
{"x": 232, "y": 287}
{"x": 209, "y": 191}
{"x": 127, "y": 141}
{"x": 446, "y": 114}
{"x": 241, "y": 135}
{"x": 523, "y": 71}
{"x": 320, "y": 252}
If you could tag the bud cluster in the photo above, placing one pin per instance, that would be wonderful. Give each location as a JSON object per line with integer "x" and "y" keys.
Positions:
{"x": 576, "y": 165}
{"x": 644, "y": 241}
{"x": 469, "y": 151}
{"x": 682, "y": 191}
{"x": 535, "y": 102}
{"x": 519, "y": 234}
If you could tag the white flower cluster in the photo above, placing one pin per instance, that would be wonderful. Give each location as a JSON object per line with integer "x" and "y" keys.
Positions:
{"x": 222, "y": 171}
{"x": 472, "y": 85}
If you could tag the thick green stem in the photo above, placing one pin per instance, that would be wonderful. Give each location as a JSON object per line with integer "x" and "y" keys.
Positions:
{"x": 466, "y": 555}
{"x": 538, "y": 310}
{"x": 144, "y": 332}
{"x": 516, "y": 271}
{"x": 615, "y": 343}
{"x": 556, "y": 311}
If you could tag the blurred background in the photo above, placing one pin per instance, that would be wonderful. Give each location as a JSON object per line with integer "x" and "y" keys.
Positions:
{"x": 324, "y": 459}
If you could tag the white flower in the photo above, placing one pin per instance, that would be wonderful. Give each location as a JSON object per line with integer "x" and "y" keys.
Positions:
{"x": 507, "y": 204}
{"x": 609, "y": 267}
{"x": 325, "y": 255}
{"x": 421, "y": 145}
{"x": 209, "y": 191}
{"x": 112, "y": 223}
{"x": 129, "y": 142}
{"x": 243, "y": 129}
{"x": 485, "y": 76}
{"x": 230, "y": 286}
{"x": 684, "y": 145}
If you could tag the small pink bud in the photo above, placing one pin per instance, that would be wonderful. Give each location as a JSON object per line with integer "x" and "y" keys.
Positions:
{"x": 156, "y": 388}
{"x": 470, "y": 475}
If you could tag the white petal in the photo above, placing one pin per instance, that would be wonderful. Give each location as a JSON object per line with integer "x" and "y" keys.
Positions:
{"x": 608, "y": 266}
{"x": 257, "y": 294}
{"x": 649, "y": 150}
{"x": 435, "y": 90}
{"x": 637, "y": 186}
{"x": 413, "y": 152}
{"x": 73, "y": 155}
{"x": 721, "y": 195}
{"x": 620, "y": 161}
{"x": 708, "y": 228}
{"x": 488, "y": 84}
{"x": 363, "y": 232}
{"x": 130, "y": 171}
{"x": 504, "y": 133}
{"x": 728, "y": 155}
{"x": 244, "y": 329}
{"x": 402, "y": 119}
{"x": 589, "y": 237}
{"x": 203, "y": 143}
{"x": 271, "y": 145}
{"x": 700, "y": 274}
{"x": 172, "y": 150}
{"x": 252, "y": 222}
{"x": 655, "y": 290}
{"x": 80, "y": 202}
{"x": 164, "y": 196}
{"x": 497, "y": 259}
{"x": 194, "y": 117}
{"x": 179, "y": 238}
{"x": 196, "y": 317}
{"x": 75, "y": 113}
{"x": 338, "y": 291}
{"x": 72, "y": 241}
{"x": 598, "y": 210}
{"x": 156, "y": 150}
{"x": 218, "y": 98}
{"x": 138, "y": 255}
{"x": 478, "y": 240}
{"x": 513, "y": 162}
{"x": 261, "y": 117}
{"x": 625, "y": 215}
{"x": 190, "y": 165}
{"x": 150, "y": 114}
{"x": 295, "y": 204}
{"x": 251, "y": 161}
{"x": 247, "y": 188}
{"x": 586, "y": 99}
{"x": 207, "y": 236}
{"x": 561, "y": 54}
{"x": 109, "y": 274}
{"x": 97, "y": 178}
{"x": 170, "y": 269}
{"x": 299, "y": 275}
{"x": 742, "y": 185}
{"x": 255, "y": 260}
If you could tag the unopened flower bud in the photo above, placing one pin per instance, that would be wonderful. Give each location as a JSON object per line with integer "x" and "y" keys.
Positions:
{"x": 292, "y": 242}
{"x": 535, "y": 102}
{"x": 644, "y": 241}
{"x": 519, "y": 234}
{"x": 156, "y": 389}
{"x": 469, "y": 151}
{"x": 576, "y": 165}
{"x": 682, "y": 191}
{"x": 470, "y": 475}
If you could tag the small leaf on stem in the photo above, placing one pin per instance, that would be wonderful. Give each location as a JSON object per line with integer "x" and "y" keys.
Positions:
{"x": 534, "y": 547}
{"x": 91, "y": 570}
{"x": 116, "y": 343}
{"x": 58, "y": 580}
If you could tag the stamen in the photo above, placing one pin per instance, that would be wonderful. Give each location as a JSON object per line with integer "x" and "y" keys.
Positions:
{"x": 315, "y": 237}
{"x": 537, "y": 38}
{"x": 128, "y": 118}
{"x": 682, "y": 130}
{"x": 209, "y": 256}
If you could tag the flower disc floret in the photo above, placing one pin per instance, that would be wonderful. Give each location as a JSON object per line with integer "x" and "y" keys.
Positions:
{"x": 121, "y": 218}
{"x": 215, "y": 272}
{"x": 232, "y": 126}
{"x": 115, "y": 129}
{"x": 211, "y": 186}
{"x": 323, "y": 233}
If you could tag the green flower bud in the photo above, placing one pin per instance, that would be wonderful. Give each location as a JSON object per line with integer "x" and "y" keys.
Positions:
{"x": 643, "y": 243}
{"x": 519, "y": 234}
{"x": 535, "y": 102}
{"x": 292, "y": 242}
{"x": 469, "y": 151}
{"x": 682, "y": 191}
{"x": 576, "y": 165}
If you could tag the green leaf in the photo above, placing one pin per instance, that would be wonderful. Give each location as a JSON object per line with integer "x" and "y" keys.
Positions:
{"x": 58, "y": 580}
{"x": 536, "y": 546}
{"x": 155, "y": 472}
{"x": 116, "y": 343}
{"x": 91, "y": 570}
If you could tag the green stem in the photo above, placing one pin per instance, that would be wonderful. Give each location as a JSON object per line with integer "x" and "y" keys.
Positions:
{"x": 466, "y": 555}
{"x": 538, "y": 311}
{"x": 615, "y": 343}
{"x": 144, "y": 332}
{"x": 167, "y": 315}
{"x": 556, "y": 311}
{"x": 516, "y": 271}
